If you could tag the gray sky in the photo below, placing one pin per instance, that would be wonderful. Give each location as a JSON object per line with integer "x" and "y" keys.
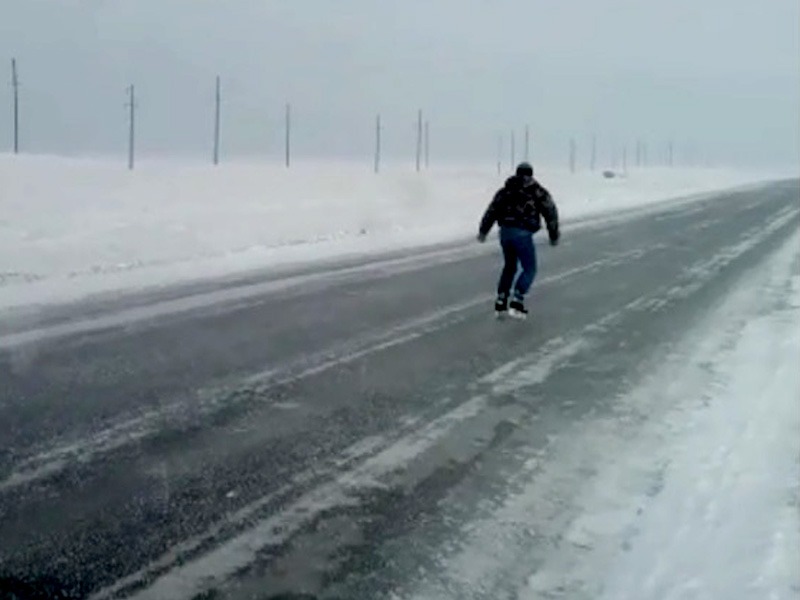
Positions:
{"x": 721, "y": 76}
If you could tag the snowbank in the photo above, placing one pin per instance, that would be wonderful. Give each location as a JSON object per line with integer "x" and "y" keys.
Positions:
{"x": 70, "y": 228}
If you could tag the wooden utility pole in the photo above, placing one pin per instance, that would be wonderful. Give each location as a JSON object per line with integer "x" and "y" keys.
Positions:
{"x": 288, "y": 135}
{"x": 499, "y": 154}
{"x": 15, "y": 85}
{"x": 573, "y": 152}
{"x": 216, "y": 122}
{"x": 132, "y": 125}
{"x": 593, "y": 163}
{"x": 513, "y": 149}
{"x": 419, "y": 139}
{"x": 378, "y": 143}
{"x": 527, "y": 143}
{"x": 427, "y": 145}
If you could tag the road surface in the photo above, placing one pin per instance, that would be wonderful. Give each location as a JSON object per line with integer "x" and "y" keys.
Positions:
{"x": 341, "y": 433}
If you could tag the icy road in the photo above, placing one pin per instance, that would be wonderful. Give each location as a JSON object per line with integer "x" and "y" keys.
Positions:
{"x": 369, "y": 431}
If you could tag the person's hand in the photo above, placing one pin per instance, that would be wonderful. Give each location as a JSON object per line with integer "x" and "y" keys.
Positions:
{"x": 481, "y": 237}
{"x": 554, "y": 236}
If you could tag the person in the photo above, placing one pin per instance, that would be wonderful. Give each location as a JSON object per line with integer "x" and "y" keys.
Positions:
{"x": 518, "y": 208}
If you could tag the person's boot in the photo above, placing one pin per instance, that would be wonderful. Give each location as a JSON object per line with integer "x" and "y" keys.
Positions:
{"x": 501, "y": 306}
{"x": 517, "y": 310}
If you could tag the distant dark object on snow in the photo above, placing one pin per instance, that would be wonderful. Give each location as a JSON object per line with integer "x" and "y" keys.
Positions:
{"x": 609, "y": 174}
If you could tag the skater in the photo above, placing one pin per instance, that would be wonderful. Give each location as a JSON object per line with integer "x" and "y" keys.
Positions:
{"x": 517, "y": 208}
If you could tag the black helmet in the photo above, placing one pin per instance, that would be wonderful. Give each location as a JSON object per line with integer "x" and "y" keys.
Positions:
{"x": 524, "y": 169}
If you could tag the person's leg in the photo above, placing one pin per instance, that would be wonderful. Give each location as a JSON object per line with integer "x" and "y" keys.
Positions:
{"x": 510, "y": 259}
{"x": 526, "y": 254}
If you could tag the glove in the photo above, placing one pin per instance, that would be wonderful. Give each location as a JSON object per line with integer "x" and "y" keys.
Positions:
{"x": 554, "y": 236}
{"x": 481, "y": 237}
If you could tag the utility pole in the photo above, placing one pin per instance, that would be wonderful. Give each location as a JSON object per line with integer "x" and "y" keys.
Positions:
{"x": 593, "y": 163}
{"x": 513, "y": 149}
{"x": 427, "y": 145}
{"x": 288, "y": 135}
{"x": 573, "y": 152}
{"x": 378, "y": 143}
{"x": 132, "y": 125}
{"x": 499, "y": 153}
{"x": 625, "y": 160}
{"x": 15, "y": 85}
{"x": 527, "y": 143}
{"x": 419, "y": 139}
{"x": 216, "y": 123}
{"x": 671, "y": 154}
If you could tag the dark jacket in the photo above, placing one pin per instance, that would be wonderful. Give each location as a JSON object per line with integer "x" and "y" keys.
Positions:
{"x": 522, "y": 206}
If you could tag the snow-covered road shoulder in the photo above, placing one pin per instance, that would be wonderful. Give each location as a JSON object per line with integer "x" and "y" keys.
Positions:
{"x": 725, "y": 522}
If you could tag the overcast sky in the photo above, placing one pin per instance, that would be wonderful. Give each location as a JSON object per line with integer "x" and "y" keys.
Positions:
{"x": 719, "y": 76}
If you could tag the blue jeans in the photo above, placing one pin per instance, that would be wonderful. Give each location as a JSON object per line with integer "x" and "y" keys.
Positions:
{"x": 518, "y": 251}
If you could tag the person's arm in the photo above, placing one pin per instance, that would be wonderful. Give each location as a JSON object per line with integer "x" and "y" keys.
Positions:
{"x": 489, "y": 217}
{"x": 548, "y": 209}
